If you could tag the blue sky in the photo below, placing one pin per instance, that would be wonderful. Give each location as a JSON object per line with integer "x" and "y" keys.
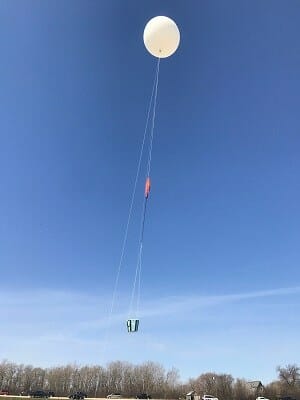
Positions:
{"x": 221, "y": 279}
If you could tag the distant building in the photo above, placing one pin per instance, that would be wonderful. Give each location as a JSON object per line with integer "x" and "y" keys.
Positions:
{"x": 256, "y": 387}
{"x": 192, "y": 396}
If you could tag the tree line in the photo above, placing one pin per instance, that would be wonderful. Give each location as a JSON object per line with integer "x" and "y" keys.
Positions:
{"x": 225, "y": 387}
{"x": 149, "y": 377}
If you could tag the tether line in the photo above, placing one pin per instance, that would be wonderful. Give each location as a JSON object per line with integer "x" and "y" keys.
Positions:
{"x": 137, "y": 277}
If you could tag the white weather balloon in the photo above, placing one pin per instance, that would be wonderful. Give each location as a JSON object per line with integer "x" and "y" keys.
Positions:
{"x": 161, "y": 37}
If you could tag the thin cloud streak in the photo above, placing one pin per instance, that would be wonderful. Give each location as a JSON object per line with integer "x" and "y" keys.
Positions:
{"x": 173, "y": 304}
{"x": 54, "y": 327}
{"x": 64, "y": 306}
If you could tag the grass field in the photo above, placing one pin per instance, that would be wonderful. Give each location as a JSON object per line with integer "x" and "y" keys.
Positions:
{"x": 11, "y": 397}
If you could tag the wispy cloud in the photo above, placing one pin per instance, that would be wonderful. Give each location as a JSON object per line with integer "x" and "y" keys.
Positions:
{"x": 183, "y": 304}
{"x": 80, "y": 309}
{"x": 54, "y": 327}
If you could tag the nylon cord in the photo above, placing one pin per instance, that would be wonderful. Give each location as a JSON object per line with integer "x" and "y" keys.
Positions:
{"x": 153, "y": 120}
{"x": 140, "y": 252}
{"x": 124, "y": 242}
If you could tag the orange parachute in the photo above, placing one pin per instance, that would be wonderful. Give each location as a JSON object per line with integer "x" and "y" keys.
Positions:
{"x": 147, "y": 187}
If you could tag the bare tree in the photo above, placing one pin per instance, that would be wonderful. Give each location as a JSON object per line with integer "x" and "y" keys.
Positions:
{"x": 241, "y": 390}
{"x": 273, "y": 390}
{"x": 172, "y": 384}
{"x": 205, "y": 384}
{"x": 130, "y": 379}
{"x": 289, "y": 374}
